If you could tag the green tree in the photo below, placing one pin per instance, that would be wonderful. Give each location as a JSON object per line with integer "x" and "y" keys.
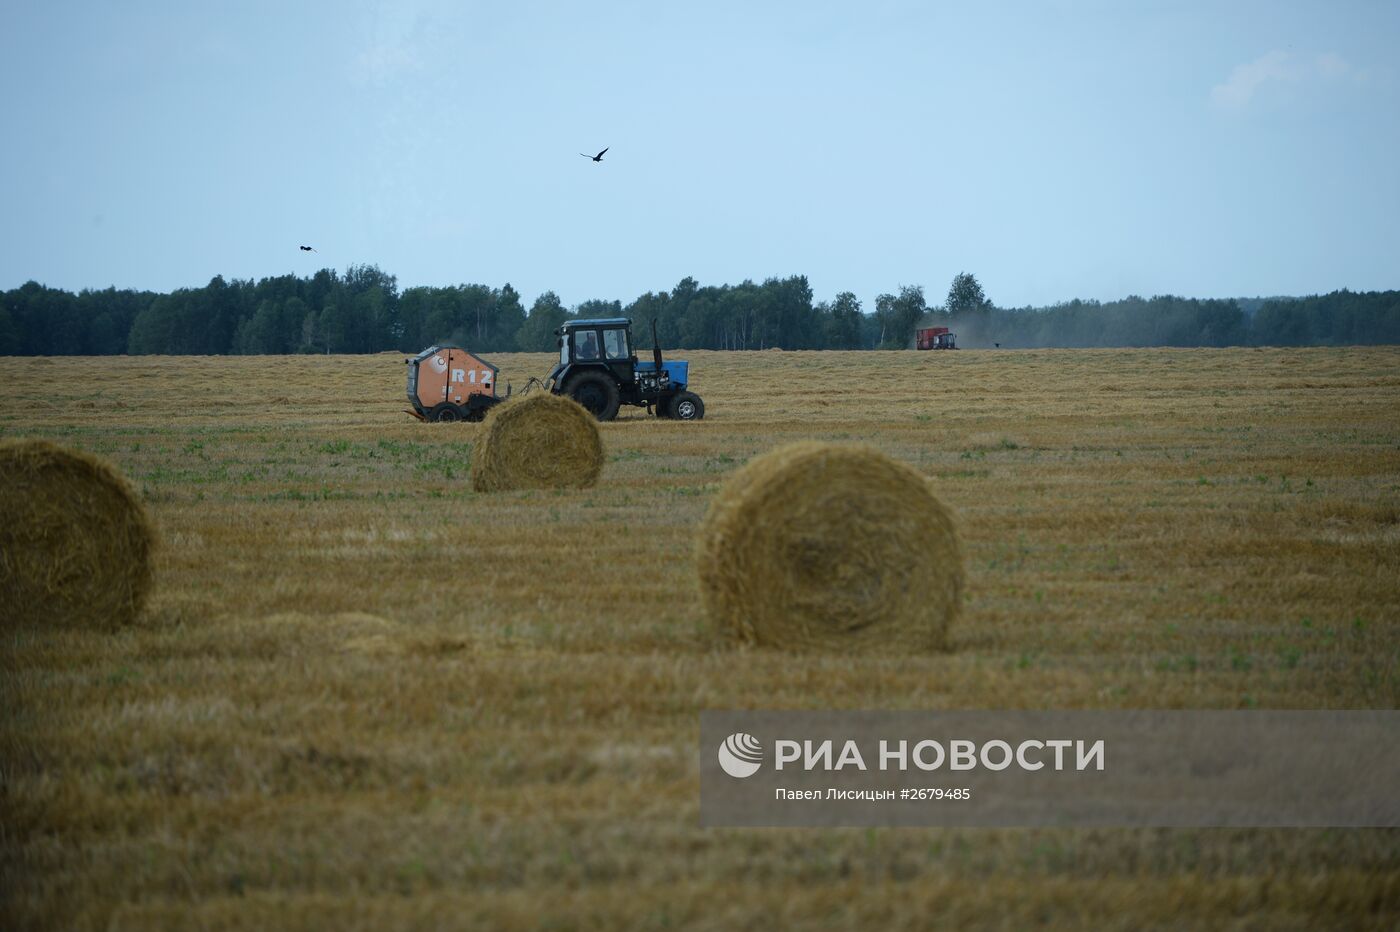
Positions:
{"x": 291, "y": 318}
{"x": 336, "y": 328}
{"x": 1281, "y": 323}
{"x": 789, "y": 319}
{"x": 49, "y": 320}
{"x": 675, "y": 328}
{"x": 701, "y": 324}
{"x": 510, "y": 317}
{"x": 898, "y": 314}
{"x": 658, "y": 306}
{"x": 220, "y": 306}
{"x": 260, "y": 334}
{"x": 842, "y": 324}
{"x": 158, "y": 330}
{"x": 965, "y": 295}
{"x": 107, "y": 316}
{"x": 536, "y": 335}
{"x": 310, "y": 340}
{"x": 414, "y": 306}
{"x": 476, "y": 312}
{"x": 374, "y": 321}
{"x": 598, "y": 308}
{"x": 10, "y": 338}
{"x": 745, "y": 318}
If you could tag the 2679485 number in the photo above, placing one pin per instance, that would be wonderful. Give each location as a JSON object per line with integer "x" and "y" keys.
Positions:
{"x": 940, "y": 793}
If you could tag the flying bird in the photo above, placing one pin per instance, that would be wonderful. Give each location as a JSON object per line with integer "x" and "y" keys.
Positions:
{"x": 306, "y": 249}
{"x": 596, "y": 158}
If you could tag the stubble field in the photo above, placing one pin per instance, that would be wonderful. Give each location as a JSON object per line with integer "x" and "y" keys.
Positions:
{"x": 364, "y": 696}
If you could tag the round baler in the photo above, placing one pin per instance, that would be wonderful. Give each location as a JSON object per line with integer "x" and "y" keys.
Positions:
{"x": 447, "y": 383}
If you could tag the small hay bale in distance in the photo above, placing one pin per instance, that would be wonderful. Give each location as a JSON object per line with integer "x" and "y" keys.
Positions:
{"x": 830, "y": 547}
{"x": 537, "y": 441}
{"x": 75, "y": 539}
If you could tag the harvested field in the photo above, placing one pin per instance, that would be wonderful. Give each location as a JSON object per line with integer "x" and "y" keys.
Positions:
{"x": 364, "y": 696}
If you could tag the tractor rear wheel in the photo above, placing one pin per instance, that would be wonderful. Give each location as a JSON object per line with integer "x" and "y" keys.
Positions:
{"x": 446, "y": 414}
{"x": 596, "y": 392}
{"x": 686, "y": 406}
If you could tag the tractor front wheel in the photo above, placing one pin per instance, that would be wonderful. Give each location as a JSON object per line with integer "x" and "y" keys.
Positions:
{"x": 687, "y": 406}
{"x": 596, "y": 392}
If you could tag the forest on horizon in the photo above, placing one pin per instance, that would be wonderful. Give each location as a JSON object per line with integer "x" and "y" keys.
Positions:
{"x": 363, "y": 311}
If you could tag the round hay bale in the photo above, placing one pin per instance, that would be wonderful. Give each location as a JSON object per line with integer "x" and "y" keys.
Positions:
{"x": 537, "y": 441}
{"x": 75, "y": 540}
{"x": 830, "y": 547}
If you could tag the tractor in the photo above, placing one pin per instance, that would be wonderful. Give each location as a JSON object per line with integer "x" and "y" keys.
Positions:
{"x": 598, "y": 369}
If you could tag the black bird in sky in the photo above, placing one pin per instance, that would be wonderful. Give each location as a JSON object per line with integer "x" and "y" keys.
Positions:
{"x": 306, "y": 249}
{"x": 596, "y": 158}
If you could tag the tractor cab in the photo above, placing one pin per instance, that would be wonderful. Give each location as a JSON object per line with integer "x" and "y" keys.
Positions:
{"x": 598, "y": 368}
{"x": 604, "y": 345}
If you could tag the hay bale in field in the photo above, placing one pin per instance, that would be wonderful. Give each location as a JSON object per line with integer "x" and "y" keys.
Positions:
{"x": 537, "y": 441}
{"x": 75, "y": 540}
{"x": 830, "y": 546}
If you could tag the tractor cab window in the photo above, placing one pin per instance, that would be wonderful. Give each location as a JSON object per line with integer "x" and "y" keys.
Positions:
{"x": 563, "y": 352}
{"x": 615, "y": 342}
{"x": 585, "y": 344}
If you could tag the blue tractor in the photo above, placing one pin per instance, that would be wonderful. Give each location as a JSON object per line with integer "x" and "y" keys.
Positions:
{"x": 598, "y": 369}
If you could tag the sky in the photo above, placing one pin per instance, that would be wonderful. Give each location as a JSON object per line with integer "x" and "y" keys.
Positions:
{"x": 1056, "y": 150}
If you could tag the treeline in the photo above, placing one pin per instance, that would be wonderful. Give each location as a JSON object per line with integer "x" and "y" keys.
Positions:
{"x": 1133, "y": 321}
{"x": 1341, "y": 318}
{"x": 363, "y": 311}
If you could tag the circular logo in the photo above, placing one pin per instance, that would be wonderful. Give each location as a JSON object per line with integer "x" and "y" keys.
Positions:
{"x": 740, "y": 755}
{"x": 439, "y": 364}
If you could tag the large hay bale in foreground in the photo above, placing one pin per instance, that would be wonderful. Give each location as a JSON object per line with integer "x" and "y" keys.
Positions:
{"x": 830, "y": 547}
{"x": 75, "y": 540}
{"x": 537, "y": 441}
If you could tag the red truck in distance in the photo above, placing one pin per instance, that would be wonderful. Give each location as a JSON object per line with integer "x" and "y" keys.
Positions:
{"x": 935, "y": 338}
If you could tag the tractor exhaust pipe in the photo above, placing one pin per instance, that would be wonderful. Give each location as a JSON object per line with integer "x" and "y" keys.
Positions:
{"x": 655, "y": 348}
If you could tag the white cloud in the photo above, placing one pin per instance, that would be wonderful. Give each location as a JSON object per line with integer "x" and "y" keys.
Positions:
{"x": 1277, "y": 68}
{"x": 396, "y": 40}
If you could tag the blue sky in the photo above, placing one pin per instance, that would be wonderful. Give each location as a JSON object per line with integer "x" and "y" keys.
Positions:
{"x": 1055, "y": 150}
